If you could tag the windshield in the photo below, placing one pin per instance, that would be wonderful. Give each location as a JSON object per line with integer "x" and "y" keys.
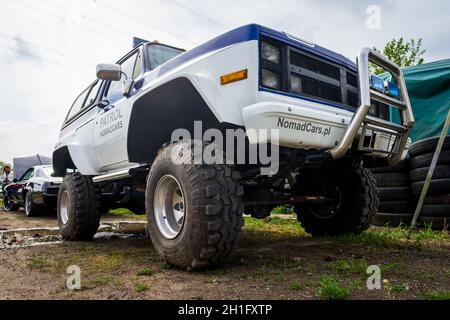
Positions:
{"x": 48, "y": 171}
{"x": 159, "y": 54}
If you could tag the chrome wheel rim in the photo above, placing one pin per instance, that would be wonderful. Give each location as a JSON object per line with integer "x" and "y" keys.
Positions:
{"x": 64, "y": 207}
{"x": 169, "y": 207}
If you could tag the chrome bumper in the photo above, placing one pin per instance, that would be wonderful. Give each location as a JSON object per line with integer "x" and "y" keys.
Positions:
{"x": 371, "y": 125}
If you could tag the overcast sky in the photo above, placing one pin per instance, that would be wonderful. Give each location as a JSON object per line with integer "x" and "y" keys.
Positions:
{"x": 49, "y": 48}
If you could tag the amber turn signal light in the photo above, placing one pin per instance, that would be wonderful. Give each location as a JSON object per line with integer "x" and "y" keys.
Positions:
{"x": 234, "y": 77}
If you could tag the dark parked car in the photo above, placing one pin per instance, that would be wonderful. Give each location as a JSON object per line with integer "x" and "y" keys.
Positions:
{"x": 36, "y": 191}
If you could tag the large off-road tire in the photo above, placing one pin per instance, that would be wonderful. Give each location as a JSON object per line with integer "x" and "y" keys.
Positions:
{"x": 394, "y": 194}
{"x": 78, "y": 207}
{"x": 391, "y": 179}
{"x": 194, "y": 211}
{"x": 437, "y": 187}
{"x": 8, "y": 205}
{"x": 425, "y": 160}
{"x": 402, "y": 166}
{"x": 356, "y": 207}
{"x": 440, "y": 199}
{"x": 436, "y": 210}
{"x": 427, "y": 146}
{"x": 441, "y": 172}
{"x": 401, "y": 206}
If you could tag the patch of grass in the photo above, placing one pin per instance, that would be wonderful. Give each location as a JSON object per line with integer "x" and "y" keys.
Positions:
{"x": 121, "y": 212}
{"x": 211, "y": 281}
{"x": 390, "y": 266}
{"x": 276, "y": 227}
{"x": 393, "y": 289}
{"x": 262, "y": 271}
{"x": 331, "y": 289}
{"x": 424, "y": 276}
{"x": 125, "y": 213}
{"x": 429, "y": 234}
{"x": 399, "y": 288}
{"x": 437, "y": 295}
{"x": 165, "y": 266}
{"x": 289, "y": 264}
{"x": 357, "y": 284}
{"x": 294, "y": 285}
{"x": 393, "y": 236}
{"x": 145, "y": 273}
{"x": 279, "y": 210}
{"x": 110, "y": 261}
{"x": 97, "y": 281}
{"x": 447, "y": 273}
{"x": 350, "y": 266}
{"x": 141, "y": 287}
{"x": 95, "y": 258}
{"x": 38, "y": 263}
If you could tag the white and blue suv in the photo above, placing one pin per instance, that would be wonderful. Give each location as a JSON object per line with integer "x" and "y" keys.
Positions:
{"x": 133, "y": 134}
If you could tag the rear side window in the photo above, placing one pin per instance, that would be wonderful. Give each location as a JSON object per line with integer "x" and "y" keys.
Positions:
{"x": 77, "y": 105}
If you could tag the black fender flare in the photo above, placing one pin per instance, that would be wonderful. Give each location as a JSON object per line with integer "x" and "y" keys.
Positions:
{"x": 173, "y": 105}
{"x": 62, "y": 161}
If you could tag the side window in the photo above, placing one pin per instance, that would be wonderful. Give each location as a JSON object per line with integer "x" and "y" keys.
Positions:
{"x": 93, "y": 93}
{"x": 115, "y": 88}
{"x": 77, "y": 105}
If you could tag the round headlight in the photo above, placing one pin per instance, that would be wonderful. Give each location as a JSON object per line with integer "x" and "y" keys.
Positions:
{"x": 270, "y": 79}
{"x": 270, "y": 53}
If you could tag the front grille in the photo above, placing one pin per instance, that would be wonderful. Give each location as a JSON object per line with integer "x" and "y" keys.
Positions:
{"x": 303, "y": 61}
{"x": 304, "y": 74}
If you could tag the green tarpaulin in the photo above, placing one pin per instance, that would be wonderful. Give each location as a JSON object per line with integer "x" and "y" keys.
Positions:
{"x": 429, "y": 92}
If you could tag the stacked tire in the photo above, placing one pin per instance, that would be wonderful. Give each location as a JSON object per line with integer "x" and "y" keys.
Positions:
{"x": 436, "y": 209}
{"x": 394, "y": 191}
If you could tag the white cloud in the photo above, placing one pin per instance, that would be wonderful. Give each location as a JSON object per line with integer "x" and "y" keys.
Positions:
{"x": 48, "y": 49}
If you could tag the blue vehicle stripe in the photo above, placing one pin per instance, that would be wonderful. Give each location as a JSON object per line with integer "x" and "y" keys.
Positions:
{"x": 242, "y": 34}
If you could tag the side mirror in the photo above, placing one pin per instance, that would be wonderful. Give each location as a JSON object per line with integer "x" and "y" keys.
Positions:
{"x": 109, "y": 72}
